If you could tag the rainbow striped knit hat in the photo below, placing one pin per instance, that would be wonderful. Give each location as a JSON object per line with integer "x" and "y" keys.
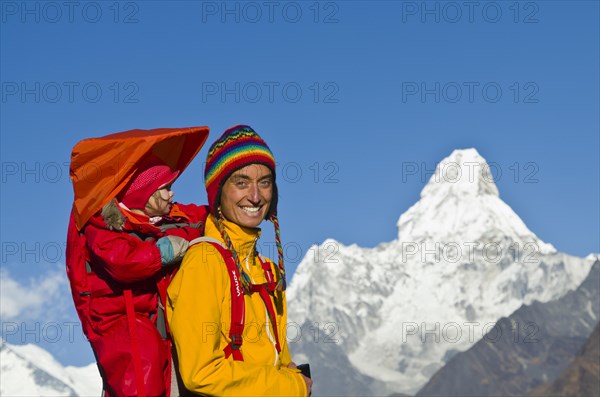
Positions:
{"x": 238, "y": 147}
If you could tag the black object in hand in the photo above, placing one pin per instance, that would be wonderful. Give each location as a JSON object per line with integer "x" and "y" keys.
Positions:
{"x": 304, "y": 369}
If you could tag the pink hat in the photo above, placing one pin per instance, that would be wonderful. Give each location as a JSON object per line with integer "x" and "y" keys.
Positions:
{"x": 150, "y": 179}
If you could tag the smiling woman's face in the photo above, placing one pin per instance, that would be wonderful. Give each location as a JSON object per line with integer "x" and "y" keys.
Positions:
{"x": 246, "y": 195}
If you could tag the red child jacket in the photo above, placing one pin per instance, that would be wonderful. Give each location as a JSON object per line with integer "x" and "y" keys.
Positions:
{"x": 106, "y": 266}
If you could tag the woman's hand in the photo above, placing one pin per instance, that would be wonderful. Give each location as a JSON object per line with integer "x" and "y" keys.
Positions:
{"x": 308, "y": 381}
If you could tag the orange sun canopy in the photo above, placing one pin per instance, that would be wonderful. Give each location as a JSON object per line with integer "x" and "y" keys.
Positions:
{"x": 102, "y": 167}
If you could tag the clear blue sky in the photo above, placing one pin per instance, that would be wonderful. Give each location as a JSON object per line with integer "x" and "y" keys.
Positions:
{"x": 347, "y": 94}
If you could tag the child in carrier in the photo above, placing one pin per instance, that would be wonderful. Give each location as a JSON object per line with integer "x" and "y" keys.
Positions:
{"x": 132, "y": 248}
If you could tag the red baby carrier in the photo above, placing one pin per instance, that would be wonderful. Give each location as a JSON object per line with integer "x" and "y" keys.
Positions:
{"x": 100, "y": 169}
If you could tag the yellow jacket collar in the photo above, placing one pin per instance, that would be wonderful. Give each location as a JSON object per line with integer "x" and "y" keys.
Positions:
{"x": 243, "y": 238}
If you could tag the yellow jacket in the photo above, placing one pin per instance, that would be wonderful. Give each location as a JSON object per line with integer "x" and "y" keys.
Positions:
{"x": 199, "y": 315}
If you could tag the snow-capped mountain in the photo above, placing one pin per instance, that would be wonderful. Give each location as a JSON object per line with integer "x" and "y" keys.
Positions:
{"x": 28, "y": 370}
{"x": 461, "y": 204}
{"x": 462, "y": 260}
{"x": 527, "y": 349}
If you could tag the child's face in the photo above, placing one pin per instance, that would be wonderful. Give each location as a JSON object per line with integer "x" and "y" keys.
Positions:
{"x": 160, "y": 202}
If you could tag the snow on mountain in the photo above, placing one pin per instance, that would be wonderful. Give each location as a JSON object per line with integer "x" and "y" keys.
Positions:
{"x": 462, "y": 260}
{"x": 28, "y": 370}
{"x": 461, "y": 204}
{"x": 531, "y": 346}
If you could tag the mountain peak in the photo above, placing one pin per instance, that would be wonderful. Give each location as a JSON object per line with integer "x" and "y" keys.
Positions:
{"x": 463, "y": 172}
{"x": 460, "y": 204}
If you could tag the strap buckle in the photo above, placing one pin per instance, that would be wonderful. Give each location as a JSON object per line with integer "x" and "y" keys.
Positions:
{"x": 236, "y": 342}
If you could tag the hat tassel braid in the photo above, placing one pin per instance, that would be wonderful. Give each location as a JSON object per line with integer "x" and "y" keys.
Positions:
{"x": 279, "y": 269}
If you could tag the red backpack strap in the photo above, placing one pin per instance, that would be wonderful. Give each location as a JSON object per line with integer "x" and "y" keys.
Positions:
{"x": 135, "y": 343}
{"x": 236, "y": 328}
{"x": 264, "y": 292}
{"x": 271, "y": 282}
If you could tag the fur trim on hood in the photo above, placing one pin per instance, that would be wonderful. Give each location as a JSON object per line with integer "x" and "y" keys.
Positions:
{"x": 112, "y": 215}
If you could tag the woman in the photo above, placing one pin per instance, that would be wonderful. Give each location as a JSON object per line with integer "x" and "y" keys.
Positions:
{"x": 223, "y": 349}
